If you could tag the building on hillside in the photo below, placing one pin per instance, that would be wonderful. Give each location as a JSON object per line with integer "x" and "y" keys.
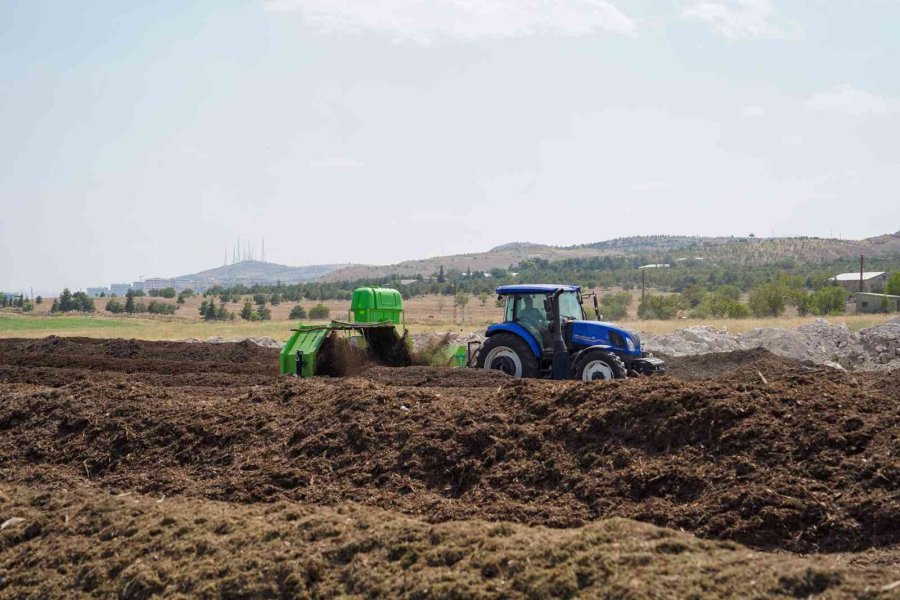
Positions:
{"x": 873, "y": 281}
{"x": 96, "y": 292}
{"x": 874, "y": 303}
{"x": 153, "y": 283}
{"x": 657, "y": 266}
{"x": 119, "y": 289}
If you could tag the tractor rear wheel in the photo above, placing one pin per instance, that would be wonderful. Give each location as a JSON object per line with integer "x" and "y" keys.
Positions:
{"x": 508, "y": 353}
{"x": 598, "y": 365}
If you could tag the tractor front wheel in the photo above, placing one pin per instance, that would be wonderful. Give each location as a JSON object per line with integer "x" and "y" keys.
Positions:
{"x": 598, "y": 365}
{"x": 508, "y": 353}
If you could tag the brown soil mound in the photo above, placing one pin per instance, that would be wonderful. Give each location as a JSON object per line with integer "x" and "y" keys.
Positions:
{"x": 86, "y": 543}
{"x": 130, "y": 356}
{"x": 807, "y": 461}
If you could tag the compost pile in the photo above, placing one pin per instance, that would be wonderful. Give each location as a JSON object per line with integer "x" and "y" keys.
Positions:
{"x": 143, "y": 440}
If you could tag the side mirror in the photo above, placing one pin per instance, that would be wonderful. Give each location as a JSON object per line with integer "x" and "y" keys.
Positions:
{"x": 548, "y": 305}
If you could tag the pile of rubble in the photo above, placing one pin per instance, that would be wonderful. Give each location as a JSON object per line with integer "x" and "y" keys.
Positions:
{"x": 837, "y": 346}
{"x": 264, "y": 341}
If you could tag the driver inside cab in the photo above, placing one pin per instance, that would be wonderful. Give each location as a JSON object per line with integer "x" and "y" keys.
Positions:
{"x": 529, "y": 313}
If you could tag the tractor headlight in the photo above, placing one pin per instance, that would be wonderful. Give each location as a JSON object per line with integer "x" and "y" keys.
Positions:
{"x": 630, "y": 343}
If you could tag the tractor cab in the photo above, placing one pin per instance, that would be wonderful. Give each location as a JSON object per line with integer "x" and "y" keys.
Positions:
{"x": 531, "y": 308}
{"x": 545, "y": 333}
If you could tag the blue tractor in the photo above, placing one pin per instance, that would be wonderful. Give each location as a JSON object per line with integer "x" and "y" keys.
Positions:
{"x": 545, "y": 334}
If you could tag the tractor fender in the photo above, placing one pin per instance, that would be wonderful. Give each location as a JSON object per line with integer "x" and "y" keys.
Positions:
{"x": 518, "y": 330}
{"x": 578, "y": 354}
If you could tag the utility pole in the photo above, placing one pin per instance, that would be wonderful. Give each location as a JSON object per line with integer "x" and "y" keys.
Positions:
{"x": 861, "y": 259}
{"x": 643, "y": 284}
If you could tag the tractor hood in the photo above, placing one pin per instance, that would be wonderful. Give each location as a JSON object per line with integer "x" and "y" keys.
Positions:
{"x": 598, "y": 333}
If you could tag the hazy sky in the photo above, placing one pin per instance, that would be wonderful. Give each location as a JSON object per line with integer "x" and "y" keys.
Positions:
{"x": 143, "y": 140}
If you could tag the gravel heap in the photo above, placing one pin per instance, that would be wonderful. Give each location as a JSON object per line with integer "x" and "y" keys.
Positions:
{"x": 820, "y": 342}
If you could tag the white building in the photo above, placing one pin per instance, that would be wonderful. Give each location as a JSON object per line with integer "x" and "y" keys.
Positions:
{"x": 873, "y": 281}
{"x": 96, "y": 292}
{"x": 119, "y": 289}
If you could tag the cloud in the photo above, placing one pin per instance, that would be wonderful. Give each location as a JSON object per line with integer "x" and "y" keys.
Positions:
{"x": 737, "y": 19}
{"x": 424, "y": 21}
{"x": 851, "y": 101}
{"x": 753, "y": 111}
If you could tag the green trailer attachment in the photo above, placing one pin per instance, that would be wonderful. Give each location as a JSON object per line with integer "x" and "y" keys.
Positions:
{"x": 375, "y": 314}
{"x": 299, "y": 356}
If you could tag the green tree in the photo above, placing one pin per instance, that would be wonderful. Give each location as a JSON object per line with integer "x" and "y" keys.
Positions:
{"x": 461, "y": 300}
{"x": 297, "y": 313}
{"x": 39, "y": 300}
{"x": 247, "y": 311}
{"x": 157, "y": 307}
{"x": 767, "y": 300}
{"x": 319, "y": 312}
{"x": 893, "y": 284}
{"x": 440, "y": 277}
{"x": 658, "y": 307}
{"x": 830, "y": 300}
{"x": 114, "y": 306}
{"x": 614, "y": 307}
{"x": 693, "y": 295}
{"x": 65, "y": 301}
{"x": 129, "y": 302}
{"x": 483, "y": 297}
{"x": 264, "y": 313}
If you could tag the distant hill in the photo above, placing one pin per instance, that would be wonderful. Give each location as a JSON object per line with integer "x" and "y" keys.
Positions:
{"x": 657, "y": 248}
{"x": 249, "y": 272}
{"x": 502, "y": 257}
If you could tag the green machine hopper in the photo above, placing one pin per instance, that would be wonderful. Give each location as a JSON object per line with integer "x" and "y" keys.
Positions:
{"x": 374, "y": 316}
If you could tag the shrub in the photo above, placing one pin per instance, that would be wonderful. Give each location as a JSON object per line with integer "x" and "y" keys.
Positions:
{"x": 893, "y": 284}
{"x": 264, "y": 313}
{"x": 247, "y": 311}
{"x": 693, "y": 295}
{"x": 69, "y": 302}
{"x": 297, "y": 313}
{"x": 114, "y": 306}
{"x": 767, "y": 300}
{"x": 720, "y": 305}
{"x": 161, "y": 308}
{"x": 658, "y": 307}
{"x": 732, "y": 292}
{"x": 210, "y": 312}
{"x": 829, "y": 300}
{"x": 615, "y": 306}
{"x": 319, "y": 312}
{"x": 167, "y": 293}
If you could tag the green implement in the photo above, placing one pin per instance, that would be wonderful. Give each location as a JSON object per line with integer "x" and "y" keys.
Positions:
{"x": 374, "y": 314}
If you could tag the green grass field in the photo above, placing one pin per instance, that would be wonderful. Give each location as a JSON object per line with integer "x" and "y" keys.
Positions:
{"x": 176, "y": 328}
{"x": 10, "y": 325}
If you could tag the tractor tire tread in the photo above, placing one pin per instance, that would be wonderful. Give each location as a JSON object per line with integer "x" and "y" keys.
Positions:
{"x": 521, "y": 347}
{"x": 611, "y": 358}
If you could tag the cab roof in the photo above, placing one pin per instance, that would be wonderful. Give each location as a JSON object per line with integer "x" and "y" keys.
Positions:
{"x": 536, "y": 288}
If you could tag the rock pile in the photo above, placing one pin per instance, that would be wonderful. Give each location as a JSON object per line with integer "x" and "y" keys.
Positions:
{"x": 820, "y": 342}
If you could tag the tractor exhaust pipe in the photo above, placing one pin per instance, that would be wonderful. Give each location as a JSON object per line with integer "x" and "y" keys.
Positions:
{"x": 562, "y": 366}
